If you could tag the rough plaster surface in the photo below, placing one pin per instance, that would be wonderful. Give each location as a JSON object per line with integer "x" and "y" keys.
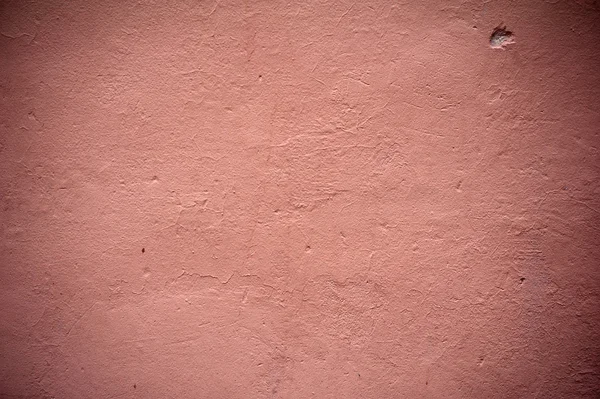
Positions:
{"x": 267, "y": 199}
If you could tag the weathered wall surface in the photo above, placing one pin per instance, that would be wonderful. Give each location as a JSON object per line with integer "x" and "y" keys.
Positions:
{"x": 268, "y": 199}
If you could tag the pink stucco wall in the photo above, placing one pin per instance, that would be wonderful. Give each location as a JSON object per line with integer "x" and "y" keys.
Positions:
{"x": 320, "y": 199}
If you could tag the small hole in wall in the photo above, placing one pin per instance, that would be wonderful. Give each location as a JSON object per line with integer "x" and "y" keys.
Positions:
{"x": 143, "y": 250}
{"x": 522, "y": 279}
{"x": 134, "y": 386}
{"x": 501, "y": 37}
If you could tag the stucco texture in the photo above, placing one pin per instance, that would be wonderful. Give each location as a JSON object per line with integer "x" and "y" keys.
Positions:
{"x": 316, "y": 199}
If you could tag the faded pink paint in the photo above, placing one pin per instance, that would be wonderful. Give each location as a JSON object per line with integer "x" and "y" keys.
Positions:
{"x": 264, "y": 199}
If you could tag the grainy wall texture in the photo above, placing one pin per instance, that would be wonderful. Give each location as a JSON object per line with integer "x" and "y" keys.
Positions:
{"x": 316, "y": 199}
